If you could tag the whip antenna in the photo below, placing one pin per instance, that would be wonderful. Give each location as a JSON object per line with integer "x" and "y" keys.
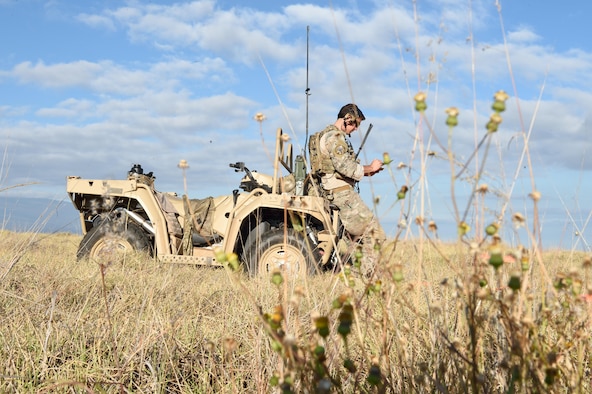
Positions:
{"x": 307, "y": 91}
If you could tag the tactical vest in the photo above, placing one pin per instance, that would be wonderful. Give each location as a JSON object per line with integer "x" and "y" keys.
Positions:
{"x": 319, "y": 165}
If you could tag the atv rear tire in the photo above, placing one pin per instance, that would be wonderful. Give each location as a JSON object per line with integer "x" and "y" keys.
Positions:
{"x": 112, "y": 237}
{"x": 292, "y": 255}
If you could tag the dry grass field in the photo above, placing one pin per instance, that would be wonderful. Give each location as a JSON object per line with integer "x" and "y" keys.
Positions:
{"x": 434, "y": 318}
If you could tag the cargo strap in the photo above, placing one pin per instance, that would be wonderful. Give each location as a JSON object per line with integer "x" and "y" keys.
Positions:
{"x": 188, "y": 228}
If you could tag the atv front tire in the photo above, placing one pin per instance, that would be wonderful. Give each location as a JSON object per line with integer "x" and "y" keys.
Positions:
{"x": 288, "y": 253}
{"x": 113, "y": 237}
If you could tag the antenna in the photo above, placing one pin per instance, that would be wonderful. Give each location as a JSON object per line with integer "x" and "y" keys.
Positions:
{"x": 306, "y": 92}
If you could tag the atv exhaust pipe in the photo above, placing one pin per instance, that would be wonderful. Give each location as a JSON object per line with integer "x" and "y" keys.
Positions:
{"x": 138, "y": 219}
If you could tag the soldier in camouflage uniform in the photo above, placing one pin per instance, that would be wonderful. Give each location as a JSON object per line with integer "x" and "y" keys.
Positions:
{"x": 340, "y": 171}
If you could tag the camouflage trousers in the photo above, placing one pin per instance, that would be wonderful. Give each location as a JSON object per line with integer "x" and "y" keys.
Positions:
{"x": 361, "y": 225}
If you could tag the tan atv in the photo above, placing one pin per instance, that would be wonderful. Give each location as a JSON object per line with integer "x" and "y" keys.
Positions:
{"x": 275, "y": 222}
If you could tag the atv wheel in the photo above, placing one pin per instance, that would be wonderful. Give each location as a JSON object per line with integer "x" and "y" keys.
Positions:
{"x": 292, "y": 255}
{"x": 113, "y": 237}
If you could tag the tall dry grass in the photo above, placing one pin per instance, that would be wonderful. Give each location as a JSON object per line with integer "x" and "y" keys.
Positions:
{"x": 139, "y": 326}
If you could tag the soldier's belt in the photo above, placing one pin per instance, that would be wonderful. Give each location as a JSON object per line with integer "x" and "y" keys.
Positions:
{"x": 340, "y": 189}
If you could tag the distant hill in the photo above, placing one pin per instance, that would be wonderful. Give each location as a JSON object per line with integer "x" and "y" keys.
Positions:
{"x": 38, "y": 214}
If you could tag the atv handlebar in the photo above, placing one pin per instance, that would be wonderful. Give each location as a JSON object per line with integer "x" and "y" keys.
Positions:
{"x": 252, "y": 183}
{"x": 239, "y": 166}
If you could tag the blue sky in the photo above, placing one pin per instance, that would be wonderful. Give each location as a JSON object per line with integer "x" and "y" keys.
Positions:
{"x": 89, "y": 88}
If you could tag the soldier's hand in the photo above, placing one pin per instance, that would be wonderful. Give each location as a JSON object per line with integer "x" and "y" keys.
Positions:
{"x": 373, "y": 168}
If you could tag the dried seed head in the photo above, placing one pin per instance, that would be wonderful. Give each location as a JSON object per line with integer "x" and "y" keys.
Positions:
{"x": 432, "y": 226}
{"x": 259, "y": 117}
{"x": 496, "y": 118}
{"x": 500, "y": 95}
{"x": 402, "y": 223}
{"x": 452, "y": 111}
{"x": 299, "y": 291}
{"x": 401, "y": 193}
{"x": 452, "y": 119}
{"x": 535, "y": 195}
{"x": 420, "y": 104}
{"x": 230, "y": 345}
{"x": 483, "y": 188}
{"x": 518, "y": 219}
{"x": 420, "y": 97}
{"x": 183, "y": 164}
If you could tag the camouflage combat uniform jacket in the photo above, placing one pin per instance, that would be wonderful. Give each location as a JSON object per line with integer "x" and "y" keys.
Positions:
{"x": 341, "y": 170}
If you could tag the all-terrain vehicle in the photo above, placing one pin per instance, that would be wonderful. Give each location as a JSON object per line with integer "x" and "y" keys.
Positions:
{"x": 274, "y": 222}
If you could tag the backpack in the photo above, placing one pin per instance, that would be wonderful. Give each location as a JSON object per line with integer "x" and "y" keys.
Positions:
{"x": 318, "y": 164}
{"x": 315, "y": 153}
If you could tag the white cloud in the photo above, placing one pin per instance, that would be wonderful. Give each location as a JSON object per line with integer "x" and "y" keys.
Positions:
{"x": 523, "y": 35}
{"x": 97, "y": 21}
{"x": 77, "y": 73}
{"x": 70, "y": 108}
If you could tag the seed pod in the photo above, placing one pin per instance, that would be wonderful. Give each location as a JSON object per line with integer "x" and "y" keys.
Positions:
{"x": 374, "y": 375}
{"x": 496, "y": 260}
{"x": 452, "y": 119}
{"x": 491, "y": 229}
{"x": 463, "y": 228}
{"x": 344, "y": 329}
{"x": 319, "y": 352}
{"x": 398, "y": 273}
{"x": 491, "y": 126}
{"x": 345, "y": 320}
{"x": 349, "y": 365}
{"x": 233, "y": 261}
{"x": 550, "y": 374}
{"x": 277, "y": 278}
{"x": 220, "y": 255}
{"x": 402, "y": 192}
{"x": 514, "y": 283}
{"x": 322, "y": 326}
{"x": 276, "y": 346}
{"x": 498, "y": 106}
{"x": 420, "y": 106}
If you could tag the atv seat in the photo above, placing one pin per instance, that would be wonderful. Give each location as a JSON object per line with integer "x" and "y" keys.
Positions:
{"x": 199, "y": 240}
